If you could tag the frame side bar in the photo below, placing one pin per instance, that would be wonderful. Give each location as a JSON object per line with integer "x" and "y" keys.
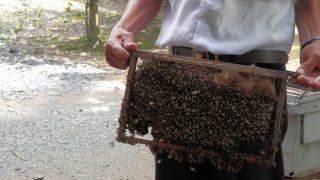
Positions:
{"x": 132, "y": 68}
{"x": 279, "y": 115}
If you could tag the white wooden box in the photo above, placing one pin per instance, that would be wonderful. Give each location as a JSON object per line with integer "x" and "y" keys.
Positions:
{"x": 301, "y": 146}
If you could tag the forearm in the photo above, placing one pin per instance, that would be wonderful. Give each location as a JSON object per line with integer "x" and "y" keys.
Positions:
{"x": 307, "y": 18}
{"x": 138, "y": 14}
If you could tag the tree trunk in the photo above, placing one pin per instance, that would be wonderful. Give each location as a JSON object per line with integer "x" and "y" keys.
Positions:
{"x": 92, "y": 22}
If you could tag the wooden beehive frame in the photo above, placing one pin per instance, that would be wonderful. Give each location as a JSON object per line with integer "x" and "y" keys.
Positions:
{"x": 251, "y": 159}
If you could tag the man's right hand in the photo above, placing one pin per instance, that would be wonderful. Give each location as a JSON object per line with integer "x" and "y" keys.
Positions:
{"x": 310, "y": 65}
{"x": 117, "y": 46}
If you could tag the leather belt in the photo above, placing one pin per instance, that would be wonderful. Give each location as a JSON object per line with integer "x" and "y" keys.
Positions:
{"x": 251, "y": 57}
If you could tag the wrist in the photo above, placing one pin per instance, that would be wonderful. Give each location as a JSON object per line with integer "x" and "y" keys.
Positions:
{"x": 309, "y": 40}
{"x": 120, "y": 26}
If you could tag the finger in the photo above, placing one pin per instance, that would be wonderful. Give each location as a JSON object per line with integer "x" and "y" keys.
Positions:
{"x": 308, "y": 81}
{"x": 115, "y": 52}
{"x": 129, "y": 41}
{"x": 314, "y": 85}
{"x": 114, "y": 62}
{"x": 310, "y": 65}
{"x": 303, "y": 80}
{"x": 122, "y": 63}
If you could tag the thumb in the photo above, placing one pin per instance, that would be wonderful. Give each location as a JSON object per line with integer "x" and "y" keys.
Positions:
{"x": 128, "y": 42}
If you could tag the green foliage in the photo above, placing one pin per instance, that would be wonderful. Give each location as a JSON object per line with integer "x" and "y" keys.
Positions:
{"x": 146, "y": 38}
{"x": 53, "y": 38}
{"x": 69, "y": 6}
{"x": 25, "y": 18}
{"x": 36, "y": 23}
{"x": 71, "y": 14}
{"x": 19, "y": 27}
{"x": 78, "y": 44}
{"x": 25, "y": 6}
{"x": 6, "y": 38}
{"x": 79, "y": 15}
{"x": 74, "y": 44}
{"x": 28, "y": 18}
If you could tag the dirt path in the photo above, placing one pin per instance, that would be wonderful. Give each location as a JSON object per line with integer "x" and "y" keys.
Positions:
{"x": 59, "y": 119}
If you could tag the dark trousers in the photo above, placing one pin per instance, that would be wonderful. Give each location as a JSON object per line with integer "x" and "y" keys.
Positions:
{"x": 169, "y": 169}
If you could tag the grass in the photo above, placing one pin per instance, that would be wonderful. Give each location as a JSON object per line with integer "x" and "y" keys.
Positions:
{"x": 145, "y": 39}
{"x": 64, "y": 34}
{"x": 74, "y": 44}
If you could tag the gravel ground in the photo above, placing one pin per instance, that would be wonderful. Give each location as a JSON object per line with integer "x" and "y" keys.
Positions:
{"x": 58, "y": 120}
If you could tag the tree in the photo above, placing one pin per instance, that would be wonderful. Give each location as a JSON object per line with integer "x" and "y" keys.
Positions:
{"x": 92, "y": 22}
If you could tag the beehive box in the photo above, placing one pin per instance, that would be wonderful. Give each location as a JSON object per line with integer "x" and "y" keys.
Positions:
{"x": 203, "y": 109}
{"x": 301, "y": 146}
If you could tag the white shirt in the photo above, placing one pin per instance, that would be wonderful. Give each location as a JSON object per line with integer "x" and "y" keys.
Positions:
{"x": 228, "y": 26}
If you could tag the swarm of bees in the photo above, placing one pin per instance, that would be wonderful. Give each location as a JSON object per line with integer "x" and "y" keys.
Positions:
{"x": 202, "y": 107}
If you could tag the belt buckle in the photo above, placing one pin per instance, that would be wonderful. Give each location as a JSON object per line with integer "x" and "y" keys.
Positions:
{"x": 197, "y": 55}
{"x": 216, "y": 57}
